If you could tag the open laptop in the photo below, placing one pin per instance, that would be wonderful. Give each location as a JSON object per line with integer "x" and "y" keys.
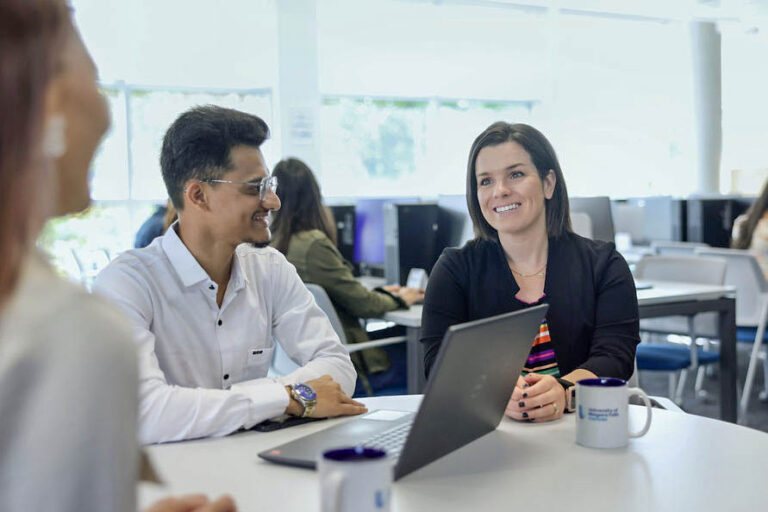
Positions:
{"x": 473, "y": 377}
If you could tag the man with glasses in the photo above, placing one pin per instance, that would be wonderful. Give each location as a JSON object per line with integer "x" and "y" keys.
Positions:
{"x": 208, "y": 300}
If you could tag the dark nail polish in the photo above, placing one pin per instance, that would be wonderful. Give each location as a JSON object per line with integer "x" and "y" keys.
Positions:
{"x": 525, "y": 395}
{"x": 521, "y": 404}
{"x": 525, "y": 415}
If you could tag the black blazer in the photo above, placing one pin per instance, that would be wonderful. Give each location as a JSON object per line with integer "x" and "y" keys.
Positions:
{"x": 592, "y": 318}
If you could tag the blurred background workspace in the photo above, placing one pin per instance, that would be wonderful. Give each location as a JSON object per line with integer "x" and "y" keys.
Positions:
{"x": 657, "y": 110}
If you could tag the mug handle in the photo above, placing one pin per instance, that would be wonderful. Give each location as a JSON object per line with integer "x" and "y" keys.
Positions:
{"x": 639, "y": 392}
{"x": 332, "y": 499}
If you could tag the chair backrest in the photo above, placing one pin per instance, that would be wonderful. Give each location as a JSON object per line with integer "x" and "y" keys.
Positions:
{"x": 582, "y": 224}
{"x": 600, "y": 215}
{"x": 324, "y": 302}
{"x": 682, "y": 269}
{"x": 667, "y": 248}
{"x": 282, "y": 364}
{"x": 744, "y": 274}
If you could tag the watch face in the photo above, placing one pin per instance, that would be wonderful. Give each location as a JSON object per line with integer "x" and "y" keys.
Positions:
{"x": 305, "y": 392}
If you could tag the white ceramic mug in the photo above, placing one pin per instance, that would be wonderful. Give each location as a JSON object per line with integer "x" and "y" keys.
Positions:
{"x": 602, "y": 413}
{"x": 355, "y": 479}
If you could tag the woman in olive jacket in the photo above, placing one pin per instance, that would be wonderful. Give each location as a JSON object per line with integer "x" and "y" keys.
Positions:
{"x": 304, "y": 231}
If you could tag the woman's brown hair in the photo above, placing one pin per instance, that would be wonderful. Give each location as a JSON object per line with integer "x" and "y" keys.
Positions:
{"x": 753, "y": 216}
{"x": 301, "y": 206}
{"x": 543, "y": 157}
{"x": 31, "y": 34}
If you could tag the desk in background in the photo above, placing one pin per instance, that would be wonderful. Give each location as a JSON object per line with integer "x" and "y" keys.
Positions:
{"x": 685, "y": 462}
{"x": 661, "y": 299}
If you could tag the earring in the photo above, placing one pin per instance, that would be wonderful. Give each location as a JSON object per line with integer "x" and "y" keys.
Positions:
{"x": 55, "y": 137}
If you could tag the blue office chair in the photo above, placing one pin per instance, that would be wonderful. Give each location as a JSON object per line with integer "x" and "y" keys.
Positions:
{"x": 670, "y": 357}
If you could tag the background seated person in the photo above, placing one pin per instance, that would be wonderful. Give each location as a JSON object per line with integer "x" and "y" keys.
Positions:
{"x": 304, "y": 231}
{"x": 207, "y": 299}
{"x": 750, "y": 230}
{"x": 155, "y": 225}
{"x": 525, "y": 253}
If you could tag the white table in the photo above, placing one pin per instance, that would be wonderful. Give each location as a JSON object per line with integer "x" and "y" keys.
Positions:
{"x": 685, "y": 462}
{"x": 662, "y": 299}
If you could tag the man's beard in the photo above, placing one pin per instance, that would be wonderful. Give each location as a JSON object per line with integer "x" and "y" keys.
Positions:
{"x": 261, "y": 243}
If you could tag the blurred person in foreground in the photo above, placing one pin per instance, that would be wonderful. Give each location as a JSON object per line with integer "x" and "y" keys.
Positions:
{"x": 68, "y": 376}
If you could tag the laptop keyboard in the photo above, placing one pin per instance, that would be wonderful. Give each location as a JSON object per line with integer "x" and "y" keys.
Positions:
{"x": 391, "y": 441}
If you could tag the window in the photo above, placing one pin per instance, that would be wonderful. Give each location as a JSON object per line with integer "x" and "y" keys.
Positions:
{"x": 386, "y": 147}
{"x": 126, "y": 182}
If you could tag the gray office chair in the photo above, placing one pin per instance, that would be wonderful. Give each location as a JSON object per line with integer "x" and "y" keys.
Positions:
{"x": 669, "y": 357}
{"x": 283, "y": 365}
{"x": 324, "y": 302}
{"x": 598, "y": 209}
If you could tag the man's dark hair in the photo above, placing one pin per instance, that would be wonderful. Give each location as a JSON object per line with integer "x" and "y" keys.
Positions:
{"x": 543, "y": 157}
{"x": 199, "y": 142}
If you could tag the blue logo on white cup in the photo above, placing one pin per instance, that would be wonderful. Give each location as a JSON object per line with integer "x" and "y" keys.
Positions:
{"x": 379, "y": 499}
{"x": 581, "y": 413}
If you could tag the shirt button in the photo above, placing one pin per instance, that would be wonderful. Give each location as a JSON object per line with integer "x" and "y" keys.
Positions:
{"x": 220, "y": 322}
{"x": 211, "y": 287}
{"x": 226, "y": 376}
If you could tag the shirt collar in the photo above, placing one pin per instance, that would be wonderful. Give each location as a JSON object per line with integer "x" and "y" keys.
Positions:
{"x": 186, "y": 266}
{"x": 237, "y": 278}
{"x": 183, "y": 262}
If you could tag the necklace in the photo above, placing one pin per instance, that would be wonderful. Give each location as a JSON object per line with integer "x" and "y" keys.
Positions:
{"x": 539, "y": 273}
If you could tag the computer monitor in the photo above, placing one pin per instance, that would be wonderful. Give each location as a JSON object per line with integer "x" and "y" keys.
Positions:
{"x": 649, "y": 219}
{"x": 454, "y": 226}
{"x": 598, "y": 209}
{"x": 710, "y": 218}
{"x": 665, "y": 219}
{"x": 369, "y": 228}
{"x": 344, "y": 218}
{"x": 410, "y": 233}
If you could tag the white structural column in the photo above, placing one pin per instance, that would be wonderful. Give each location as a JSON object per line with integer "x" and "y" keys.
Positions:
{"x": 707, "y": 101}
{"x": 298, "y": 88}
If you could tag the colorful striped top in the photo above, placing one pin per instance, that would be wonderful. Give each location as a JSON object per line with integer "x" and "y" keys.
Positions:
{"x": 541, "y": 358}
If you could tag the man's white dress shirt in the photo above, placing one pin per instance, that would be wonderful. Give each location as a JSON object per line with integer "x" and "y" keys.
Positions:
{"x": 203, "y": 369}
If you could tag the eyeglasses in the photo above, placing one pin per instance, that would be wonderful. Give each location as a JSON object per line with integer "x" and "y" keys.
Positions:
{"x": 268, "y": 184}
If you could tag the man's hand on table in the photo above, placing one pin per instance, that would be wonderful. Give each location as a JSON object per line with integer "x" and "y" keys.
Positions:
{"x": 331, "y": 400}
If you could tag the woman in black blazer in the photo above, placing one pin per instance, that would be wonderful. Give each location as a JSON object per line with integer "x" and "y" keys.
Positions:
{"x": 525, "y": 253}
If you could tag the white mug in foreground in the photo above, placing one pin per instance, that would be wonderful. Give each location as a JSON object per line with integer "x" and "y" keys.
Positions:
{"x": 602, "y": 413}
{"x": 355, "y": 479}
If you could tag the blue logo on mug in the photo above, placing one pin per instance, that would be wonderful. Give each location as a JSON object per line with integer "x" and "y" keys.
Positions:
{"x": 379, "y": 499}
{"x": 581, "y": 413}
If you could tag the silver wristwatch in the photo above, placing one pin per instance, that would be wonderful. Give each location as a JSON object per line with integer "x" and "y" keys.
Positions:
{"x": 306, "y": 396}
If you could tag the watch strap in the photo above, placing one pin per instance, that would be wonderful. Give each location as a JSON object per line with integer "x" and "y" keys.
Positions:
{"x": 570, "y": 394}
